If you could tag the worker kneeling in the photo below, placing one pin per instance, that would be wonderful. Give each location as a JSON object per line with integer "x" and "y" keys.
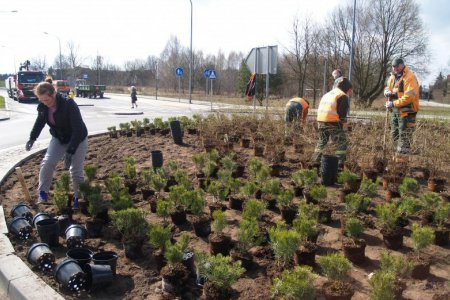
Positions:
{"x": 296, "y": 112}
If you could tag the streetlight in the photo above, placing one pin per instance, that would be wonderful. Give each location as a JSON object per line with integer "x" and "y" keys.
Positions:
{"x": 14, "y": 57}
{"x": 60, "y": 58}
{"x": 190, "y": 64}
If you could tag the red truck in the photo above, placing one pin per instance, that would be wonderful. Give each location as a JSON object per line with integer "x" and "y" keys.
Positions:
{"x": 61, "y": 86}
{"x": 20, "y": 86}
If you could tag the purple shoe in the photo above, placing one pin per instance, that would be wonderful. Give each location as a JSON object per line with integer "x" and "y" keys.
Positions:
{"x": 43, "y": 197}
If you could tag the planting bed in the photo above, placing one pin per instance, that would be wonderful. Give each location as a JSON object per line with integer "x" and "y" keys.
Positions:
{"x": 140, "y": 279}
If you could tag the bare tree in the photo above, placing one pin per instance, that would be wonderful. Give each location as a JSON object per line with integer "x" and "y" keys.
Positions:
{"x": 40, "y": 62}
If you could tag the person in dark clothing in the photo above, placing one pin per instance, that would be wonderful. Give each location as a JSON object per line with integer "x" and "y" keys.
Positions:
{"x": 332, "y": 120}
{"x": 69, "y": 138}
{"x": 133, "y": 97}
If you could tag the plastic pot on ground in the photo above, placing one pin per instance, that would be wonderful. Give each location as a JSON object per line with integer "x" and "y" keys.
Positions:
{"x": 41, "y": 256}
{"x": 82, "y": 255}
{"x": 22, "y": 210}
{"x": 20, "y": 227}
{"x": 75, "y": 236}
{"x": 70, "y": 275}
{"x": 48, "y": 230}
{"x": 106, "y": 258}
{"x": 39, "y": 216}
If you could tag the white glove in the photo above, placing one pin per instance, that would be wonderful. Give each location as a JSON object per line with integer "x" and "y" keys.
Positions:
{"x": 389, "y": 104}
{"x": 387, "y": 93}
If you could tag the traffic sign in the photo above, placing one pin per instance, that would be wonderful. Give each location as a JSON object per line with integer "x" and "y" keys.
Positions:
{"x": 179, "y": 71}
{"x": 206, "y": 73}
{"x": 212, "y": 74}
{"x": 263, "y": 60}
{"x": 85, "y": 76}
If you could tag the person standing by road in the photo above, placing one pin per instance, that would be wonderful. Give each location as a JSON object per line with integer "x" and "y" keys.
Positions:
{"x": 69, "y": 138}
{"x": 337, "y": 76}
{"x": 133, "y": 96}
{"x": 332, "y": 120}
{"x": 297, "y": 112}
{"x": 402, "y": 93}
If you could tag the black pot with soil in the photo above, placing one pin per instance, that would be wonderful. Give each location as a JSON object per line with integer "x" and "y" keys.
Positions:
{"x": 288, "y": 213}
{"x": 178, "y": 216}
{"x": 235, "y": 202}
{"x": 202, "y": 225}
{"x": 133, "y": 248}
{"x": 244, "y": 256}
{"x": 94, "y": 227}
{"x": 306, "y": 254}
{"x": 392, "y": 237}
{"x": 174, "y": 278}
{"x": 421, "y": 265}
{"x": 219, "y": 243}
{"x": 354, "y": 250}
{"x": 441, "y": 236}
{"x": 337, "y": 290}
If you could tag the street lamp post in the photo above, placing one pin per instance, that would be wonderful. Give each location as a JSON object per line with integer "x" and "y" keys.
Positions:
{"x": 60, "y": 57}
{"x": 190, "y": 64}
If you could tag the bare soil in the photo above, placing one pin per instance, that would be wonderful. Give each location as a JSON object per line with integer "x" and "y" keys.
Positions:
{"x": 140, "y": 279}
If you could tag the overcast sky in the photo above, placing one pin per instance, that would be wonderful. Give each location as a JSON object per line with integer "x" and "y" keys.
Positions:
{"x": 122, "y": 30}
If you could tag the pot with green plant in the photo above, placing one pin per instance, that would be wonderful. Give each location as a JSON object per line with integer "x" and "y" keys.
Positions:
{"x": 401, "y": 267}
{"x": 388, "y": 214}
{"x": 383, "y": 286}
{"x": 177, "y": 204}
{"x": 219, "y": 193}
{"x": 350, "y": 180}
{"x": 220, "y": 273}
{"x": 94, "y": 225}
{"x": 441, "y": 218}
{"x": 137, "y": 127}
{"x": 303, "y": 179}
{"x": 130, "y": 174}
{"x": 112, "y": 132}
{"x": 308, "y": 229}
{"x": 158, "y": 236}
{"x": 408, "y": 187}
{"x": 284, "y": 242}
{"x": 235, "y": 199}
{"x": 336, "y": 268}
{"x": 285, "y": 202}
{"x": 146, "y": 190}
{"x": 354, "y": 205}
{"x": 315, "y": 193}
{"x": 125, "y": 129}
{"x": 175, "y": 274}
{"x": 132, "y": 225}
{"x": 249, "y": 235}
{"x": 270, "y": 190}
{"x": 295, "y": 284}
{"x": 146, "y": 124}
{"x": 422, "y": 237}
{"x": 200, "y": 220}
{"x": 218, "y": 241}
{"x": 354, "y": 247}
{"x": 158, "y": 183}
{"x": 429, "y": 201}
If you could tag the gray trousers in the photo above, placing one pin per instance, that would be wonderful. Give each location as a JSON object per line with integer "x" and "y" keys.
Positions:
{"x": 55, "y": 152}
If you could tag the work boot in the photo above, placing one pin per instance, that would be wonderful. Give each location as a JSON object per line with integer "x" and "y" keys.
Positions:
{"x": 42, "y": 197}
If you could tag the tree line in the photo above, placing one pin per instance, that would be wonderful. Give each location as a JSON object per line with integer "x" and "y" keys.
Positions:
{"x": 384, "y": 29}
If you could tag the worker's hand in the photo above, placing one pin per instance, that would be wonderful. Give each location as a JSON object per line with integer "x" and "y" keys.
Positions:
{"x": 67, "y": 160}
{"x": 389, "y": 104}
{"x": 387, "y": 93}
{"x": 29, "y": 145}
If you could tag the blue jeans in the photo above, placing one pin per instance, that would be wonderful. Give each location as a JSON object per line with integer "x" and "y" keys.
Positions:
{"x": 55, "y": 152}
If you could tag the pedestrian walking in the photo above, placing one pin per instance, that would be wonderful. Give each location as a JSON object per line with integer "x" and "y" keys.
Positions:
{"x": 133, "y": 96}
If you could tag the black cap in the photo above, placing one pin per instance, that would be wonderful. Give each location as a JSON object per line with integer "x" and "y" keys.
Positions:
{"x": 397, "y": 61}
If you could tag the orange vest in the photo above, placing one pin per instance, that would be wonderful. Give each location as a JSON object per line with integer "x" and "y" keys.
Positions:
{"x": 327, "y": 111}
{"x": 302, "y": 101}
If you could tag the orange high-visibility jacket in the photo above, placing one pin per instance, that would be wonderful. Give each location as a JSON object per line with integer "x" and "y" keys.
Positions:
{"x": 407, "y": 90}
{"x": 303, "y": 103}
{"x": 327, "y": 111}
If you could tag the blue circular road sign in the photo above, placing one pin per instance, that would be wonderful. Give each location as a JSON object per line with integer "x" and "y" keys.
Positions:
{"x": 206, "y": 73}
{"x": 179, "y": 71}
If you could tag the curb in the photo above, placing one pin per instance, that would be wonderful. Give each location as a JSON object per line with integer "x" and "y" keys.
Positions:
{"x": 4, "y": 119}
{"x": 17, "y": 281}
{"x": 129, "y": 113}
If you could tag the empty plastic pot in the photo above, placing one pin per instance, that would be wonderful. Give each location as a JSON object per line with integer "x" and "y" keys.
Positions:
{"x": 177, "y": 134}
{"x": 22, "y": 210}
{"x": 70, "y": 275}
{"x": 329, "y": 169}
{"x": 157, "y": 159}
{"x": 99, "y": 276}
{"x": 38, "y": 217}
{"x": 75, "y": 236}
{"x": 20, "y": 227}
{"x": 41, "y": 256}
{"x": 48, "y": 230}
{"x": 106, "y": 258}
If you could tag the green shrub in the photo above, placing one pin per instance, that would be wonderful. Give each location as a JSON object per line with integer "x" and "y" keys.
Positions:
{"x": 249, "y": 189}
{"x": 305, "y": 227}
{"x": 114, "y": 185}
{"x": 272, "y": 186}
{"x": 254, "y": 165}
{"x": 388, "y": 214}
{"x": 285, "y": 198}
{"x": 253, "y": 209}
{"x": 284, "y": 243}
{"x": 248, "y": 235}
{"x": 430, "y": 200}
{"x": 196, "y": 201}
{"x": 318, "y": 192}
{"x": 356, "y": 203}
{"x": 442, "y": 214}
{"x": 131, "y": 223}
{"x": 397, "y": 264}
{"x": 130, "y": 167}
{"x": 368, "y": 187}
{"x": 122, "y": 201}
{"x": 228, "y": 163}
{"x": 218, "y": 269}
{"x": 95, "y": 201}
{"x": 163, "y": 208}
{"x": 408, "y": 186}
{"x": 305, "y": 178}
{"x": 335, "y": 266}
{"x": 60, "y": 199}
{"x": 382, "y": 285}
{"x": 347, "y": 176}
{"x": 63, "y": 183}
{"x": 174, "y": 252}
{"x": 295, "y": 284}
{"x": 220, "y": 220}
{"x": 409, "y": 205}
{"x": 158, "y": 236}
{"x": 422, "y": 237}
{"x": 353, "y": 227}
{"x": 308, "y": 210}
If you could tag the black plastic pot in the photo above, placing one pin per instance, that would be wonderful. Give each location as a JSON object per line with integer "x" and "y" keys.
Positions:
{"x": 22, "y": 210}
{"x": 20, "y": 227}
{"x": 75, "y": 236}
{"x": 176, "y": 132}
{"x": 70, "y": 275}
{"x": 329, "y": 169}
{"x": 48, "y": 230}
{"x": 157, "y": 159}
{"x": 82, "y": 255}
{"x": 106, "y": 258}
{"x": 38, "y": 217}
{"x": 41, "y": 256}
{"x": 98, "y": 276}
{"x": 64, "y": 222}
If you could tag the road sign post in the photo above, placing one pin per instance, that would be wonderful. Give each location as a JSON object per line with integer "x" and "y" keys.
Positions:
{"x": 212, "y": 76}
{"x": 206, "y": 73}
{"x": 179, "y": 72}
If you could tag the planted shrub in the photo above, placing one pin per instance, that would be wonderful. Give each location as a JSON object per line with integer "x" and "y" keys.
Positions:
{"x": 130, "y": 167}
{"x": 305, "y": 227}
{"x": 253, "y": 209}
{"x": 368, "y": 188}
{"x": 408, "y": 186}
{"x": 228, "y": 163}
{"x": 353, "y": 228}
{"x": 114, "y": 185}
{"x": 382, "y": 285}
{"x": 122, "y": 201}
{"x": 295, "y": 284}
{"x": 220, "y": 220}
{"x": 409, "y": 205}
{"x": 422, "y": 237}
{"x": 318, "y": 192}
{"x": 163, "y": 208}
{"x": 356, "y": 203}
{"x": 284, "y": 242}
{"x": 131, "y": 223}
{"x": 347, "y": 176}
{"x": 249, "y": 189}
{"x": 388, "y": 215}
{"x": 254, "y": 165}
{"x": 159, "y": 235}
{"x": 248, "y": 235}
{"x": 397, "y": 264}
{"x": 196, "y": 200}
{"x": 305, "y": 178}
{"x": 335, "y": 266}
{"x": 442, "y": 214}
{"x": 285, "y": 198}
{"x": 174, "y": 252}
{"x": 272, "y": 187}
